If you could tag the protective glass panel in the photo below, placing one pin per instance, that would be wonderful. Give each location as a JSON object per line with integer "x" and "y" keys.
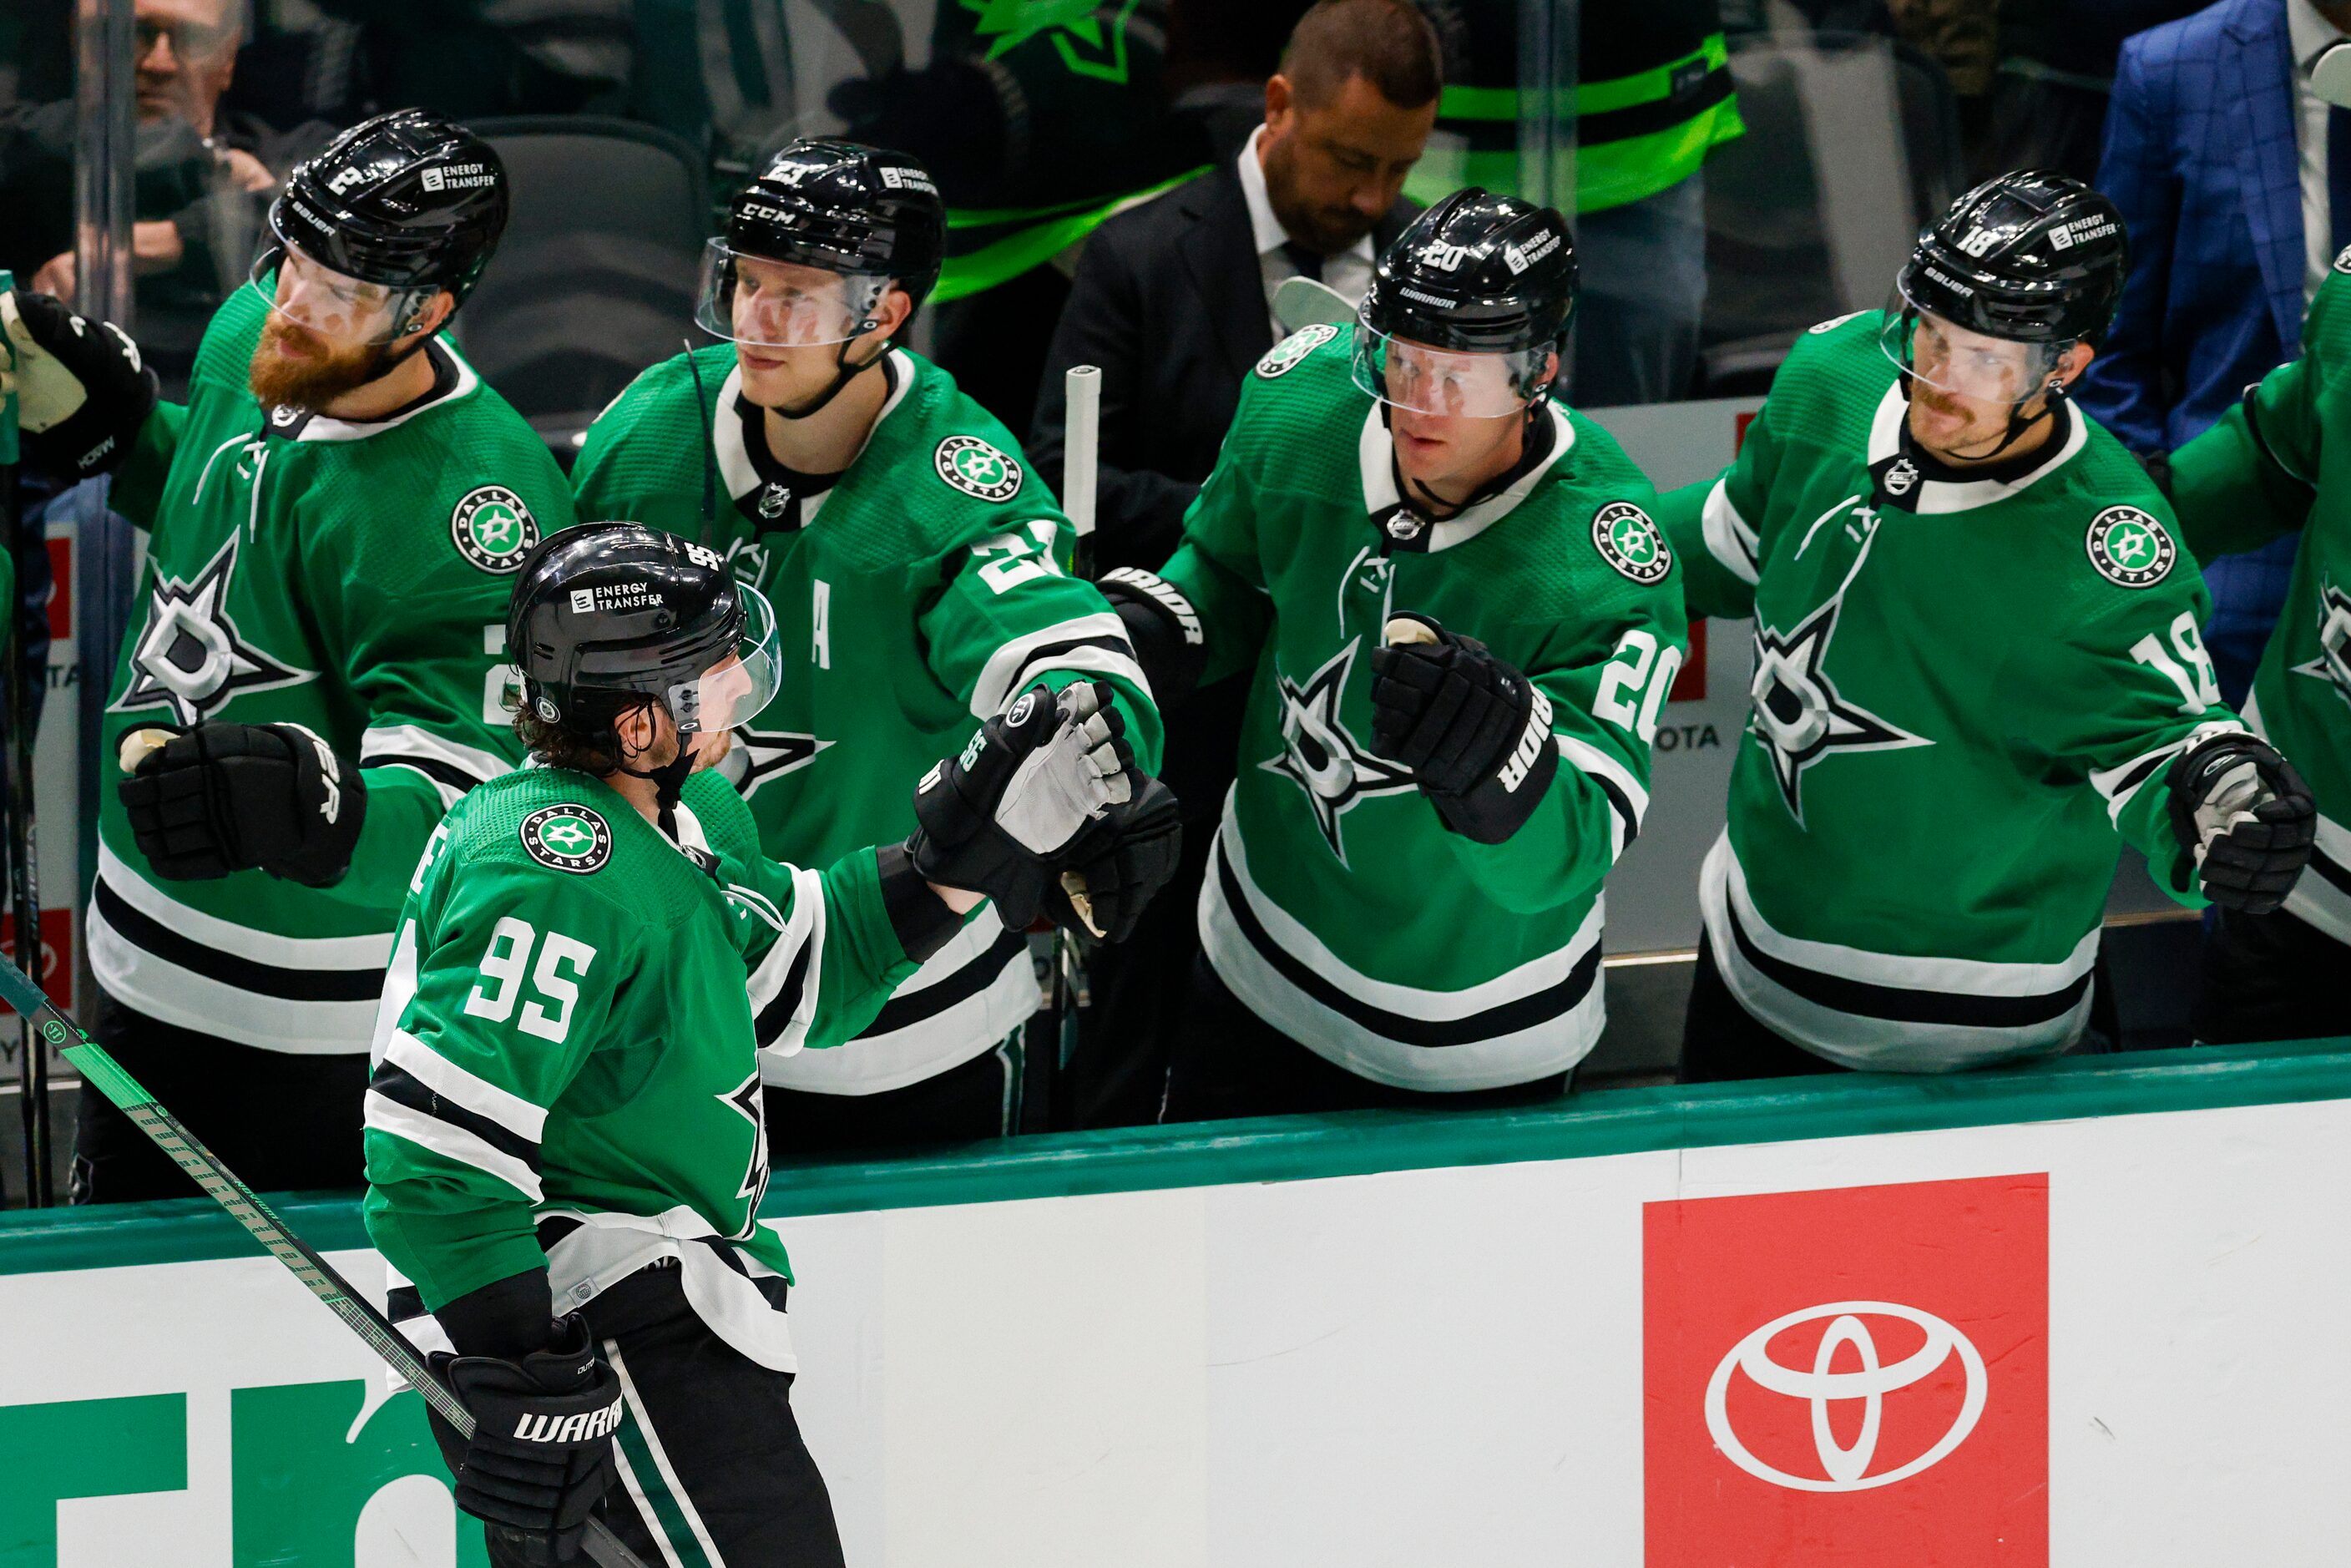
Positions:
{"x": 778, "y": 305}
{"x": 733, "y": 691}
{"x": 1953, "y": 359}
{"x": 343, "y": 310}
{"x": 1414, "y": 376}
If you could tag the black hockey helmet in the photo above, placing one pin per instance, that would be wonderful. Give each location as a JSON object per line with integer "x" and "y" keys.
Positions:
{"x": 2030, "y": 257}
{"x": 1477, "y": 274}
{"x": 605, "y": 613}
{"x": 407, "y": 201}
{"x": 870, "y": 215}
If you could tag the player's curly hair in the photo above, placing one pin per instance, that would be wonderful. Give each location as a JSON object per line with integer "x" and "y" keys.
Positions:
{"x": 581, "y": 741}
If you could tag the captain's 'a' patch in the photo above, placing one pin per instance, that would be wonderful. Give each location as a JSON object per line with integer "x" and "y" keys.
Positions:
{"x": 1631, "y": 543}
{"x": 568, "y": 837}
{"x": 1284, "y": 356}
{"x": 2130, "y": 548}
{"x": 976, "y": 468}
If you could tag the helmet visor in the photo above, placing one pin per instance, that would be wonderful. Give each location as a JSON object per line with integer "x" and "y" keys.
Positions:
{"x": 1953, "y": 358}
{"x": 741, "y": 683}
{"x": 1406, "y": 374}
{"x": 773, "y": 304}
{"x": 339, "y": 309}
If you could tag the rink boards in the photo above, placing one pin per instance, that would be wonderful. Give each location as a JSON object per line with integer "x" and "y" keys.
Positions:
{"x": 2091, "y": 1314}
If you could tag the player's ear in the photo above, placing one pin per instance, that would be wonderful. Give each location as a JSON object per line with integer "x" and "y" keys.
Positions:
{"x": 2073, "y": 362}
{"x": 431, "y": 317}
{"x": 892, "y": 311}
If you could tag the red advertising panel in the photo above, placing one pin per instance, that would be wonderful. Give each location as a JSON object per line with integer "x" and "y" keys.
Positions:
{"x": 1855, "y": 1378}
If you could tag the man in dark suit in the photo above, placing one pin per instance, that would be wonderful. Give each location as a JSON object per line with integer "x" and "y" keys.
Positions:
{"x": 2223, "y": 162}
{"x": 1174, "y": 301}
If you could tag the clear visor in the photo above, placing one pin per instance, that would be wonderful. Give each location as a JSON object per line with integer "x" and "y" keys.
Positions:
{"x": 1953, "y": 359}
{"x": 323, "y": 302}
{"x": 733, "y": 691}
{"x": 1411, "y": 375}
{"x": 780, "y": 304}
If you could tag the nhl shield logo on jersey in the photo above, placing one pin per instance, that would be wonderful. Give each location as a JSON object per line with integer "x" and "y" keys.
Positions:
{"x": 1631, "y": 543}
{"x": 2128, "y": 547}
{"x": 190, "y": 657}
{"x": 568, "y": 837}
{"x": 493, "y": 528}
{"x": 976, "y": 468}
{"x": 1284, "y": 356}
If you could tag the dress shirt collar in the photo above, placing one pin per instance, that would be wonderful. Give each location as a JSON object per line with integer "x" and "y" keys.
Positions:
{"x": 2308, "y": 32}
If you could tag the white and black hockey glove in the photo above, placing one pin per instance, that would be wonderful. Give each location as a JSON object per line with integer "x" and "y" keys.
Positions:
{"x": 1032, "y": 777}
{"x": 1117, "y": 865}
{"x": 82, "y": 391}
{"x": 2242, "y": 816}
{"x": 1161, "y": 622}
{"x": 541, "y": 1454}
{"x": 1475, "y": 732}
{"x": 240, "y": 797}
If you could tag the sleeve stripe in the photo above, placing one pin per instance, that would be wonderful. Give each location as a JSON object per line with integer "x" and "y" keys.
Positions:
{"x": 783, "y": 1023}
{"x": 1101, "y": 658}
{"x": 2119, "y": 784}
{"x": 1000, "y": 678}
{"x": 452, "y": 768}
{"x": 450, "y": 1141}
{"x": 1615, "y": 781}
{"x": 1728, "y": 537}
{"x": 397, "y": 1086}
{"x": 453, "y": 1082}
{"x": 788, "y": 955}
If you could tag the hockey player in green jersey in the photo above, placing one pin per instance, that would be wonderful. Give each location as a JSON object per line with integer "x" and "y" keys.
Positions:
{"x": 2275, "y": 463}
{"x": 334, "y": 518}
{"x": 1976, "y": 674}
{"x": 565, "y": 1144}
{"x": 1462, "y": 625}
{"x": 922, "y": 573}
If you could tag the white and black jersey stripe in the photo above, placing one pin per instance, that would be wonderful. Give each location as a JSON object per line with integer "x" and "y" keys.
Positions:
{"x": 1096, "y": 643}
{"x": 420, "y": 1095}
{"x": 962, "y": 1002}
{"x": 451, "y": 767}
{"x": 1887, "y": 1011}
{"x": 1538, "y": 1019}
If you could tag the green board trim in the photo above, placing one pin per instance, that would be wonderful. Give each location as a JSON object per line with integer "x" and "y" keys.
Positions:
{"x": 1005, "y": 259}
{"x": 1305, "y": 1148}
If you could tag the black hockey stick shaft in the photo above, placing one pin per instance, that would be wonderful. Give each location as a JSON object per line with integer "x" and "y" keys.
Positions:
{"x": 101, "y": 1071}
{"x": 23, "y": 841}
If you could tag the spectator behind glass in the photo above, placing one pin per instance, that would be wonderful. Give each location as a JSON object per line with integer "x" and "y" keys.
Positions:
{"x": 1173, "y": 301}
{"x": 2219, "y": 157}
{"x": 2057, "y": 71}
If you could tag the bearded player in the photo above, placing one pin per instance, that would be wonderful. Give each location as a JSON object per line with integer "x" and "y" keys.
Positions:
{"x": 334, "y": 519}
{"x": 921, "y": 574}
{"x": 565, "y": 1101}
{"x": 1462, "y": 625}
{"x": 1978, "y": 673}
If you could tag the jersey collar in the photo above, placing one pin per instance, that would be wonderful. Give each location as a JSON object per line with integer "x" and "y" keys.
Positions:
{"x": 742, "y": 476}
{"x": 453, "y": 379}
{"x": 1939, "y": 496}
{"x": 1376, "y": 461}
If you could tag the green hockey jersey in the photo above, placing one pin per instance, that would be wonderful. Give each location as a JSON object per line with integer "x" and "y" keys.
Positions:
{"x": 1338, "y": 905}
{"x": 2279, "y": 461}
{"x": 349, "y": 578}
{"x": 913, "y": 598}
{"x": 565, "y": 1072}
{"x": 1965, "y": 697}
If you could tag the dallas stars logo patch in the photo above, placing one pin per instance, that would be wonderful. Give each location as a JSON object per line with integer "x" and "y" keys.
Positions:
{"x": 769, "y": 754}
{"x": 493, "y": 528}
{"x": 1284, "y": 356}
{"x": 191, "y": 658}
{"x": 1631, "y": 543}
{"x": 2128, "y": 547}
{"x": 976, "y": 468}
{"x": 1798, "y": 714}
{"x": 568, "y": 837}
{"x": 2333, "y": 660}
{"x": 1321, "y": 757}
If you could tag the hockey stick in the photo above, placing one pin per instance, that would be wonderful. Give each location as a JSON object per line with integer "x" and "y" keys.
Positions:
{"x": 23, "y": 839}
{"x": 1082, "y": 441}
{"x": 101, "y": 1071}
{"x": 1309, "y": 302}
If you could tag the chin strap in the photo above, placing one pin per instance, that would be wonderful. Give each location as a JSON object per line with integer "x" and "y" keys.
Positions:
{"x": 2051, "y": 395}
{"x": 844, "y": 373}
{"x": 668, "y": 780}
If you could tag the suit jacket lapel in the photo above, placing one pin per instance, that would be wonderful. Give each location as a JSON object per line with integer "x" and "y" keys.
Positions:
{"x": 1220, "y": 253}
{"x": 2255, "y": 80}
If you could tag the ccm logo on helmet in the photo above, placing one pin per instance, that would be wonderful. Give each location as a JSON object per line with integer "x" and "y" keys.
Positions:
{"x": 569, "y": 1428}
{"x": 1518, "y": 258}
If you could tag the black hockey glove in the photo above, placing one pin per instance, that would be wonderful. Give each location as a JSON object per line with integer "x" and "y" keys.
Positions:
{"x": 236, "y": 797}
{"x": 82, "y": 390}
{"x": 1475, "y": 732}
{"x": 1031, "y": 778}
{"x": 1165, "y": 629}
{"x": 2243, "y": 815}
{"x": 541, "y": 1454}
{"x": 1117, "y": 864}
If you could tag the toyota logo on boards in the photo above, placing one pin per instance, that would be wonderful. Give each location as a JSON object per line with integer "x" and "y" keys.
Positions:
{"x": 1846, "y": 1377}
{"x": 1845, "y": 1467}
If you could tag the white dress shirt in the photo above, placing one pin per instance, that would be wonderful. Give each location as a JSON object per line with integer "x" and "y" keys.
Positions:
{"x": 2309, "y": 33}
{"x": 1349, "y": 273}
